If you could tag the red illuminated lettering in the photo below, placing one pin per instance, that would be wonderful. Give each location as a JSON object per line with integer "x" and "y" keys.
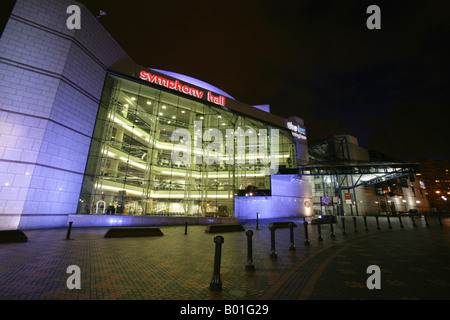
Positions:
{"x": 178, "y": 86}
{"x": 217, "y": 100}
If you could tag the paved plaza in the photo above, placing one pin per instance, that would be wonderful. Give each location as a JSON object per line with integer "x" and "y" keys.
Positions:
{"x": 414, "y": 262}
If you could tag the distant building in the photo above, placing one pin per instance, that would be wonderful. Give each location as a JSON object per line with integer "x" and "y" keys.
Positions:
{"x": 364, "y": 182}
{"x": 436, "y": 177}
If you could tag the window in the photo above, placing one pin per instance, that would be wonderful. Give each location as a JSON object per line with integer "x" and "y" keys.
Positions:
{"x": 132, "y": 170}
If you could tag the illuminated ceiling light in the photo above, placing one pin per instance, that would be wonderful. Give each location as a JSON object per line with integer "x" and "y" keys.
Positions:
{"x": 160, "y": 113}
{"x": 173, "y": 117}
{"x": 223, "y": 123}
{"x": 133, "y": 98}
{"x": 201, "y": 118}
{"x": 182, "y": 111}
{"x": 163, "y": 107}
{"x": 148, "y": 102}
{"x": 169, "y": 121}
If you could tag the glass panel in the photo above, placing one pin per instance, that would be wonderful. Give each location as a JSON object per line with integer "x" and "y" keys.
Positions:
{"x": 141, "y": 131}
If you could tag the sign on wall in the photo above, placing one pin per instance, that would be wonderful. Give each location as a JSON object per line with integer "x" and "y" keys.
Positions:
{"x": 183, "y": 88}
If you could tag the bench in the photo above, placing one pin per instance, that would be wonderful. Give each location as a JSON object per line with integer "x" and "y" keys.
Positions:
{"x": 217, "y": 228}
{"x": 133, "y": 232}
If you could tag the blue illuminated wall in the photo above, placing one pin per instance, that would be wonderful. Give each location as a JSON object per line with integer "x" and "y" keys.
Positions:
{"x": 51, "y": 79}
{"x": 291, "y": 197}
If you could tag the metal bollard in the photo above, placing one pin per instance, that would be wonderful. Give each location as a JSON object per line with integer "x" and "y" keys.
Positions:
{"x": 343, "y": 226}
{"x": 440, "y": 221}
{"x": 414, "y": 222}
{"x": 426, "y": 220}
{"x": 216, "y": 282}
{"x": 185, "y": 227}
{"x": 291, "y": 227}
{"x": 305, "y": 225}
{"x": 273, "y": 253}
{"x": 249, "y": 264}
{"x": 319, "y": 230}
{"x": 69, "y": 230}
{"x": 389, "y": 221}
{"x": 354, "y": 224}
{"x": 400, "y": 220}
{"x": 257, "y": 221}
{"x": 378, "y": 223}
{"x": 332, "y": 229}
{"x": 365, "y": 223}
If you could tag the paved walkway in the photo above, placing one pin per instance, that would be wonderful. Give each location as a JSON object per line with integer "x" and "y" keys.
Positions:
{"x": 414, "y": 263}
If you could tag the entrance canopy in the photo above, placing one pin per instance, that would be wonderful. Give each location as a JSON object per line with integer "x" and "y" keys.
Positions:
{"x": 369, "y": 172}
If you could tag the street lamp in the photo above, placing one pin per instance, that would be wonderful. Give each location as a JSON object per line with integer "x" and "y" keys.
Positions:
{"x": 445, "y": 201}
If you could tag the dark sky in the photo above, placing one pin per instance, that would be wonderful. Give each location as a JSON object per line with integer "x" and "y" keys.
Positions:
{"x": 315, "y": 59}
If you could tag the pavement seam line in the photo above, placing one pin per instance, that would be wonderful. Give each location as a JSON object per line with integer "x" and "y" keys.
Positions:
{"x": 285, "y": 277}
{"x": 310, "y": 285}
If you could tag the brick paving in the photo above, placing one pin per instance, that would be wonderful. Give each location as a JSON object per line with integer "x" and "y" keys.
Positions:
{"x": 414, "y": 263}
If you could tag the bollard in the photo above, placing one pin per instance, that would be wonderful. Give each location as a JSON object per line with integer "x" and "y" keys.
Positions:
{"x": 291, "y": 227}
{"x": 273, "y": 253}
{"x": 354, "y": 224}
{"x": 400, "y": 219}
{"x": 426, "y": 220}
{"x": 378, "y": 223}
{"x": 185, "y": 228}
{"x": 216, "y": 283}
{"x": 389, "y": 221}
{"x": 365, "y": 223}
{"x": 343, "y": 226}
{"x": 249, "y": 264}
{"x": 305, "y": 225}
{"x": 69, "y": 230}
{"x": 332, "y": 229}
{"x": 319, "y": 230}
{"x": 414, "y": 222}
{"x": 440, "y": 221}
{"x": 257, "y": 221}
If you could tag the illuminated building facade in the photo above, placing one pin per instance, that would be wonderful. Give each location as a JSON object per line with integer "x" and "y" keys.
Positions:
{"x": 87, "y": 135}
{"x": 348, "y": 179}
{"x": 131, "y": 168}
{"x": 435, "y": 176}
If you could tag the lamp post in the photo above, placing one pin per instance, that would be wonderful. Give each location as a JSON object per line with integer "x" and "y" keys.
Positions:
{"x": 445, "y": 201}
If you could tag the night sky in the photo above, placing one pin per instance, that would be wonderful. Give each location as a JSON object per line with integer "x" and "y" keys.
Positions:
{"x": 315, "y": 59}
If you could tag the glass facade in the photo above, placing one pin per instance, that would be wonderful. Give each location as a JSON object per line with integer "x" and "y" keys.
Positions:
{"x": 152, "y": 154}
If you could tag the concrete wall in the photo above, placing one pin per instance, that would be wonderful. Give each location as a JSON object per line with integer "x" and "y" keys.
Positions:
{"x": 51, "y": 79}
